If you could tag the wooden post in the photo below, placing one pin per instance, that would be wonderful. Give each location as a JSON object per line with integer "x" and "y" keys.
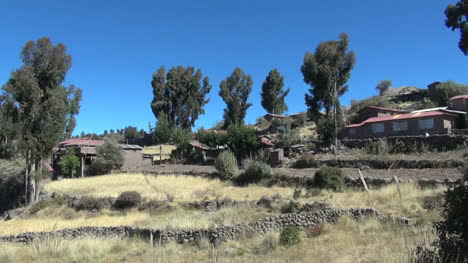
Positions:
{"x": 160, "y": 154}
{"x": 365, "y": 186}
{"x": 82, "y": 165}
{"x": 398, "y": 188}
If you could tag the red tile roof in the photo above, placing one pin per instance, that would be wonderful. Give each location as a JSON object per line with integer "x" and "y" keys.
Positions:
{"x": 266, "y": 141}
{"x": 465, "y": 96}
{"x": 81, "y": 142}
{"x": 384, "y": 109}
{"x": 402, "y": 117}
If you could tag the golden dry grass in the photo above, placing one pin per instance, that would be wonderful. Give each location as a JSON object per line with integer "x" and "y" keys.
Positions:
{"x": 51, "y": 219}
{"x": 154, "y": 150}
{"x": 346, "y": 241}
{"x": 183, "y": 188}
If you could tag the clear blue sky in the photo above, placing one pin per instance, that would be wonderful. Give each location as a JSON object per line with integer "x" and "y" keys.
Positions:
{"x": 117, "y": 45}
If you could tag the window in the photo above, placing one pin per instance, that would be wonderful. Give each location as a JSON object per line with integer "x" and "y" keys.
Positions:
{"x": 352, "y": 131}
{"x": 400, "y": 126}
{"x": 426, "y": 124}
{"x": 377, "y": 127}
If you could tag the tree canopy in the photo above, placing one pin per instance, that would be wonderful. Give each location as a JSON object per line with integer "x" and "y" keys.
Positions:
{"x": 235, "y": 91}
{"x": 180, "y": 95}
{"x": 45, "y": 108}
{"x": 327, "y": 71}
{"x": 457, "y": 18}
{"x": 273, "y": 94}
{"x": 383, "y": 86}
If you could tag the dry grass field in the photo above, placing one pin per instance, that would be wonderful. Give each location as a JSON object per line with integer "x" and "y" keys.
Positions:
{"x": 155, "y": 150}
{"x": 182, "y": 188}
{"x": 346, "y": 241}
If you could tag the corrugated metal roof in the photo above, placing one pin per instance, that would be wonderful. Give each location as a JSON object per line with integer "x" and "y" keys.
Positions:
{"x": 81, "y": 142}
{"x": 465, "y": 96}
{"x": 131, "y": 147}
{"x": 401, "y": 117}
{"x": 384, "y": 109}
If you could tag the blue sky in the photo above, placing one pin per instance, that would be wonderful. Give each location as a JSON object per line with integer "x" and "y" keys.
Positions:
{"x": 117, "y": 45}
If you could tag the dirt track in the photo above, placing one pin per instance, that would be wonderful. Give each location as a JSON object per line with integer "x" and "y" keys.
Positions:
{"x": 440, "y": 174}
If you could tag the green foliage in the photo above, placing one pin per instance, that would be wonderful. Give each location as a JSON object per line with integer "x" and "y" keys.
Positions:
{"x": 378, "y": 147}
{"x": 445, "y": 90}
{"x": 329, "y": 178}
{"x": 254, "y": 171}
{"x": 273, "y": 94}
{"x": 9, "y": 129}
{"x": 325, "y": 130}
{"x": 242, "y": 140}
{"x": 127, "y": 200}
{"x": 11, "y": 184}
{"x": 327, "y": 71}
{"x": 376, "y": 101}
{"x": 290, "y": 236}
{"x": 235, "y": 91}
{"x": 162, "y": 133}
{"x": 291, "y": 207}
{"x": 457, "y": 18}
{"x": 109, "y": 157}
{"x": 226, "y": 165}
{"x": 181, "y": 138}
{"x": 452, "y": 231}
{"x": 180, "y": 94}
{"x": 262, "y": 123}
{"x": 383, "y": 86}
{"x": 307, "y": 160}
{"x": 211, "y": 138}
{"x": 69, "y": 163}
{"x": 43, "y": 108}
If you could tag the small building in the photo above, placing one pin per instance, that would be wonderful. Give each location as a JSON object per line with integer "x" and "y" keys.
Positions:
{"x": 416, "y": 123}
{"x": 85, "y": 149}
{"x": 271, "y": 117}
{"x": 276, "y": 156}
{"x": 372, "y": 112}
{"x": 459, "y": 103}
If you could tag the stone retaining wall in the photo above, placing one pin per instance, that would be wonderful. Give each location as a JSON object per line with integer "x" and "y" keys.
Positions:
{"x": 448, "y": 141}
{"x": 311, "y": 215}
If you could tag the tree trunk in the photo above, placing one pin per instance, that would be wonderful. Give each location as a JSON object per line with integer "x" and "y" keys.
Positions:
{"x": 29, "y": 181}
{"x": 335, "y": 95}
{"x": 37, "y": 178}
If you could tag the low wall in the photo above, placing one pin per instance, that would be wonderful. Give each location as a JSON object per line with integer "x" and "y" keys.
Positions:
{"x": 447, "y": 141}
{"x": 311, "y": 215}
{"x": 385, "y": 164}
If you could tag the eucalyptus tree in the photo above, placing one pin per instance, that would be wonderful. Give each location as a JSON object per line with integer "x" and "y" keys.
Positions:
{"x": 273, "y": 94}
{"x": 327, "y": 71}
{"x": 235, "y": 91}
{"x": 45, "y": 107}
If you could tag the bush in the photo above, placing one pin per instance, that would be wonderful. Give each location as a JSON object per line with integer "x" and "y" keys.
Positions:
{"x": 242, "y": 140}
{"x": 314, "y": 231}
{"x": 52, "y": 202}
{"x": 378, "y": 147}
{"x": 226, "y": 165}
{"x": 290, "y": 236}
{"x": 291, "y": 207}
{"x": 329, "y": 178}
{"x": 11, "y": 184}
{"x": 262, "y": 123}
{"x": 255, "y": 171}
{"x": 127, "y": 200}
{"x": 307, "y": 160}
{"x": 90, "y": 203}
{"x": 109, "y": 157}
{"x": 155, "y": 207}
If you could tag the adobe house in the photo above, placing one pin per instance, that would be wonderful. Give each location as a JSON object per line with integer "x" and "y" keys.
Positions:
{"x": 270, "y": 117}
{"x": 371, "y": 112}
{"x": 416, "y": 123}
{"x": 459, "y": 103}
{"x": 85, "y": 149}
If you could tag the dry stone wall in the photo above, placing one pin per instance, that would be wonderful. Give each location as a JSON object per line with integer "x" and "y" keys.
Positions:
{"x": 311, "y": 215}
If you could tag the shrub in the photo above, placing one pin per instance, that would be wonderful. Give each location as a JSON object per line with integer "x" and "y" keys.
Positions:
{"x": 268, "y": 244}
{"x": 242, "y": 140}
{"x": 291, "y": 207}
{"x": 109, "y": 157}
{"x": 378, "y": 147}
{"x": 52, "y": 202}
{"x": 90, "y": 203}
{"x": 307, "y": 160}
{"x": 329, "y": 178}
{"x": 453, "y": 230}
{"x": 155, "y": 207}
{"x": 226, "y": 165}
{"x": 11, "y": 184}
{"x": 262, "y": 123}
{"x": 314, "y": 231}
{"x": 69, "y": 163}
{"x": 255, "y": 171}
{"x": 127, "y": 200}
{"x": 290, "y": 236}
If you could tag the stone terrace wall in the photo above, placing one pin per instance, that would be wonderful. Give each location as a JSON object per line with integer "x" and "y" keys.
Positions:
{"x": 448, "y": 141}
{"x": 311, "y": 215}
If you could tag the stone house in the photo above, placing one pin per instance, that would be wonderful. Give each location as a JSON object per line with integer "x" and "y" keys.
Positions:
{"x": 85, "y": 149}
{"x": 459, "y": 103}
{"x": 416, "y": 123}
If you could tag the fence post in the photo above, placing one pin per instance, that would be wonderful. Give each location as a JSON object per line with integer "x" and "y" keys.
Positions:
{"x": 365, "y": 186}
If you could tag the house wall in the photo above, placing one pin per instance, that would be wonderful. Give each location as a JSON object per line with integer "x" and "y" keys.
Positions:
{"x": 442, "y": 125}
{"x": 367, "y": 113}
{"x": 132, "y": 158}
{"x": 460, "y": 104}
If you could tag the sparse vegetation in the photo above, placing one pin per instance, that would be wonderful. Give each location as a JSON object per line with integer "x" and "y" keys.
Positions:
{"x": 329, "y": 178}
{"x": 290, "y": 236}
{"x": 226, "y": 165}
{"x": 254, "y": 171}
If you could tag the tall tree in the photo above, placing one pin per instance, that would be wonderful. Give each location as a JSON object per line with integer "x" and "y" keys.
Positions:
{"x": 457, "y": 18}
{"x": 383, "y": 86}
{"x": 273, "y": 94}
{"x": 180, "y": 94}
{"x": 327, "y": 71}
{"x": 235, "y": 91}
{"x": 8, "y": 128}
{"x": 43, "y": 103}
